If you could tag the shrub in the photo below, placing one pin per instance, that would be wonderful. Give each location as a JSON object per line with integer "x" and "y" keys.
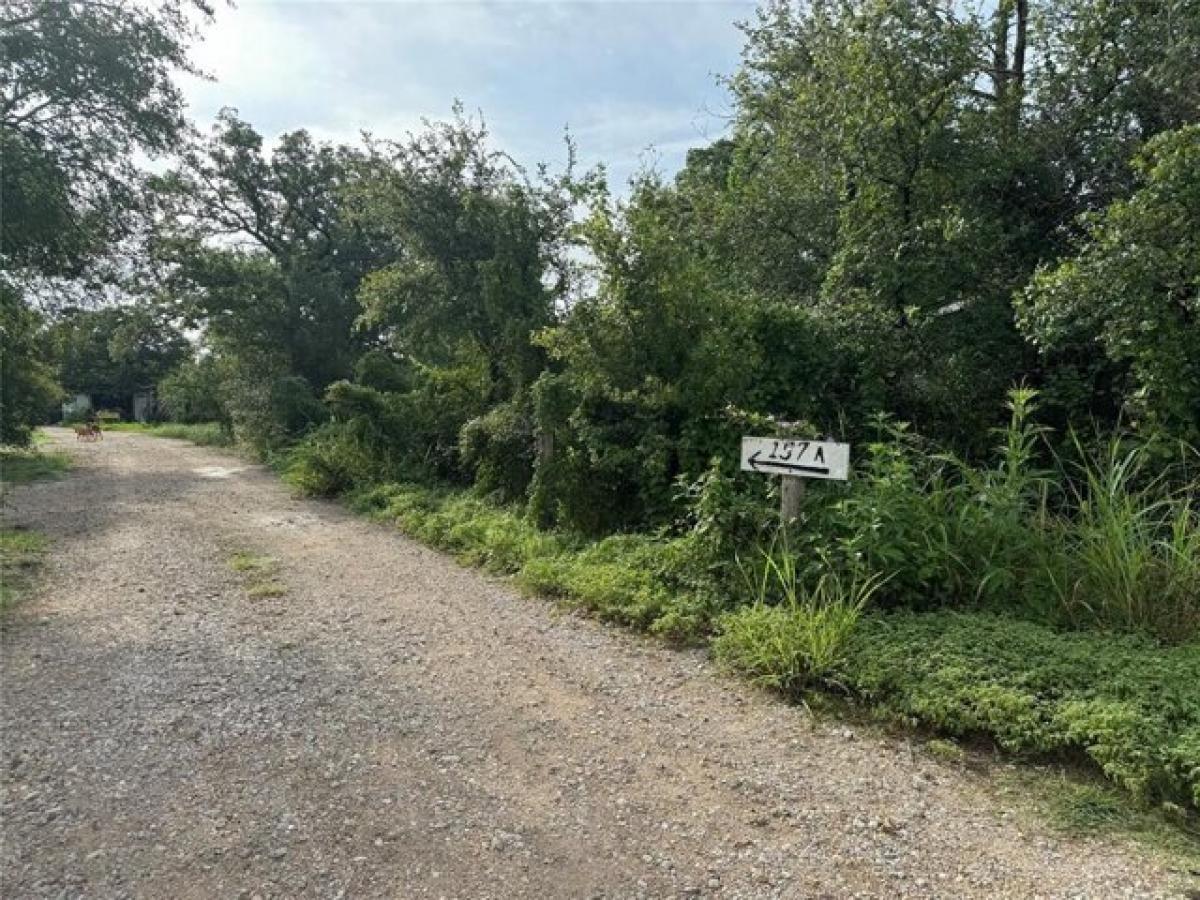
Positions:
{"x": 498, "y": 448}
{"x": 333, "y": 459}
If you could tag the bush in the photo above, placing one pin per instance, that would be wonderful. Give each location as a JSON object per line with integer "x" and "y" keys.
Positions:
{"x": 498, "y": 448}
{"x": 1128, "y": 705}
{"x": 331, "y": 460}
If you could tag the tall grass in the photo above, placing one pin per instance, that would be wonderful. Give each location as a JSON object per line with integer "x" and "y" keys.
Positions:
{"x": 793, "y": 635}
{"x": 1129, "y": 552}
{"x": 1092, "y": 543}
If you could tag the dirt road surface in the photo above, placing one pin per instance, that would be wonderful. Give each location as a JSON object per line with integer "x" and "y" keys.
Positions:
{"x": 396, "y": 726}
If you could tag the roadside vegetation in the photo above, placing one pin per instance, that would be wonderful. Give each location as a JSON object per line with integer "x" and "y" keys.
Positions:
{"x": 207, "y": 434}
{"x": 948, "y": 235}
{"x": 21, "y": 550}
{"x": 21, "y": 553}
{"x": 19, "y": 466}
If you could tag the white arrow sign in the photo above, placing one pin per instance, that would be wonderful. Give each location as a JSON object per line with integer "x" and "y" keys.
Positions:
{"x": 802, "y": 459}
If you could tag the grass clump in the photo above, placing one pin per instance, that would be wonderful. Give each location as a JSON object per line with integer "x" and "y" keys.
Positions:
{"x": 261, "y": 590}
{"x": 259, "y": 574}
{"x": 245, "y": 561}
{"x": 21, "y": 554}
{"x": 207, "y": 434}
{"x": 800, "y": 639}
{"x": 23, "y": 466}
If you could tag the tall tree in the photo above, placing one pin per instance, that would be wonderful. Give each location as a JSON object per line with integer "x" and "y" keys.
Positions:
{"x": 85, "y": 86}
{"x": 263, "y": 250}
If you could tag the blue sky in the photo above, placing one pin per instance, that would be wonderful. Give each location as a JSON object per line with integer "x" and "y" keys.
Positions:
{"x": 635, "y": 80}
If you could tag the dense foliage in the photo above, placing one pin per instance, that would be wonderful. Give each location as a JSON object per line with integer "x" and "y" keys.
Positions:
{"x": 921, "y": 212}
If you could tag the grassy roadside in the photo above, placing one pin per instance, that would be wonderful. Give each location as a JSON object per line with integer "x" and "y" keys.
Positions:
{"x": 1083, "y": 704}
{"x": 206, "y": 434}
{"x": 22, "y": 466}
{"x": 21, "y": 554}
{"x": 22, "y": 550}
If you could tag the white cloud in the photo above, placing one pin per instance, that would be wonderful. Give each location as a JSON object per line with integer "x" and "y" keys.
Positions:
{"x": 623, "y": 75}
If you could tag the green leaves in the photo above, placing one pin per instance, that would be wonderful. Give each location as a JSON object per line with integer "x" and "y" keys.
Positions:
{"x": 1133, "y": 290}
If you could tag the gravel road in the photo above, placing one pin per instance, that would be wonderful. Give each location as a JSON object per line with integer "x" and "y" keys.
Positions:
{"x": 397, "y": 726}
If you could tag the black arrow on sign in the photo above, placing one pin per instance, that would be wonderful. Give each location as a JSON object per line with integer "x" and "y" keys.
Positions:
{"x": 791, "y": 467}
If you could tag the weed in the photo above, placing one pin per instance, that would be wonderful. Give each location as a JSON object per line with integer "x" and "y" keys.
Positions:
{"x": 801, "y": 640}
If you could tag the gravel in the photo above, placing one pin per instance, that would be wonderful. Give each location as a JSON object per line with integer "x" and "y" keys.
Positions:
{"x": 398, "y": 726}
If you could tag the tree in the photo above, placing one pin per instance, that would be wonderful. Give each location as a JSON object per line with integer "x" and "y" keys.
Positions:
{"x": 1132, "y": 290}
{"x": 478, "y": 251}
{"x": 85, "y": 86}
{"x": 28, "y": 389}
{"x": 115, "y": 352}
{"x": 262, "y": 252}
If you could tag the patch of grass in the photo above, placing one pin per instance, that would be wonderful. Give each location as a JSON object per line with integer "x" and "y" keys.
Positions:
{"x": 207, "y": 434}
{"x": 1088, "y": 808}
{"x": 946, "y": 751}
{"x": 245, "y": 561}
{"x": 1075, "y": 803}
{"x": 21, "y": 554}
{"x": 259, "y": 574}
{"x": 23, "y": 466}
{"x": 263, "y": 589}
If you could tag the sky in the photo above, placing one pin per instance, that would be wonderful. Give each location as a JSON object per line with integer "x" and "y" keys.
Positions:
{"x": 635, "y": 81}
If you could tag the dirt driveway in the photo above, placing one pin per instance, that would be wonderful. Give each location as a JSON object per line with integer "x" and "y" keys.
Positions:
{"x": 396, "y": 726}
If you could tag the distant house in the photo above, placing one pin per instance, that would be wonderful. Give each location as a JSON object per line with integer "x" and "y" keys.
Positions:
{"x": 76, "y": 406}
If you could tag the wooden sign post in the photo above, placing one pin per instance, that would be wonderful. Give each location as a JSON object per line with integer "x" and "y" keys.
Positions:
{"x": 795, "y": 460}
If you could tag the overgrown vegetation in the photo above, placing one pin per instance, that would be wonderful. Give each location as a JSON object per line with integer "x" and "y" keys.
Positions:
{"x": 916, "y": 208}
